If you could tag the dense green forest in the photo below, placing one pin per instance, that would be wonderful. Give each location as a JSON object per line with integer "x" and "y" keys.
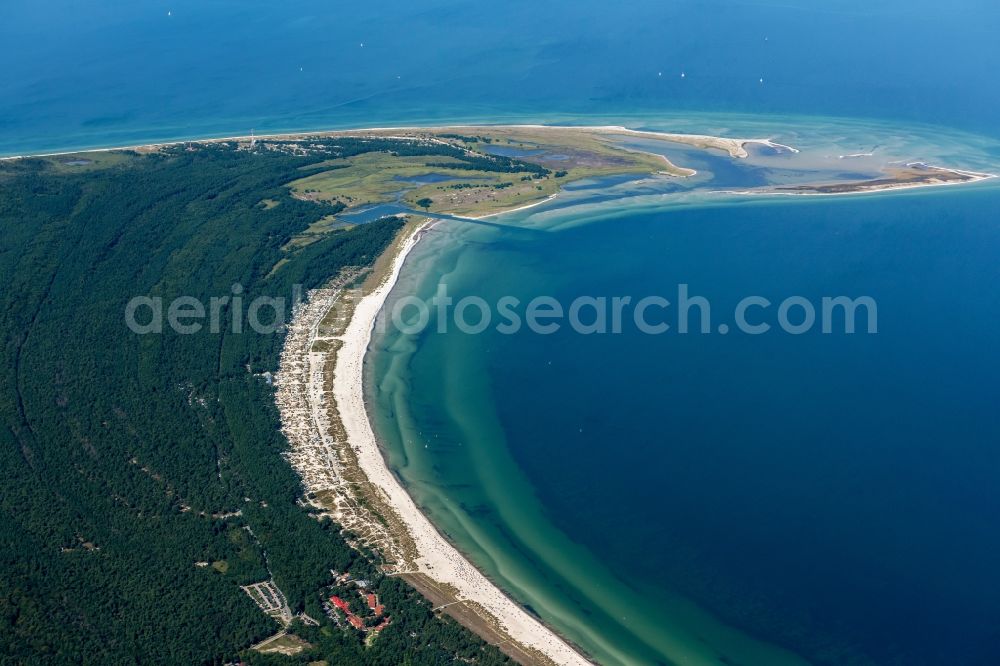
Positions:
{"x": 126, "y": 459}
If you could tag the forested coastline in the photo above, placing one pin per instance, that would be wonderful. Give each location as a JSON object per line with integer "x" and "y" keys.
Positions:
{"x": 142, "y": 478}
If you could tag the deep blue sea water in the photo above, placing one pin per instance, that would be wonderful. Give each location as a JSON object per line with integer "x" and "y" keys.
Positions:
{"x": 689, "y": 499}
{"x": 821, "y": 489}
{"x": 830, "y": 494}
{"x": 78, "y": 74}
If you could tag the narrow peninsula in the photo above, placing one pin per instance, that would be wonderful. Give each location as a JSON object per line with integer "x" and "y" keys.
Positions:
{"x": 338, "y": 213}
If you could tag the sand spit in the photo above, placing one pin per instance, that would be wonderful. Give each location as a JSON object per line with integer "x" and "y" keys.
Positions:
{"x": 930, "y": 176}
{"x": 734, "y": 147}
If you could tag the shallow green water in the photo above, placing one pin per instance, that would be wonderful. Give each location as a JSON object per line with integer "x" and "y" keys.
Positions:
{"x": 717, "y": 499}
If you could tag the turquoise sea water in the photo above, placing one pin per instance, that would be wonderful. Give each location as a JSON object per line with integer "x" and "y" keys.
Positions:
{"x": 828, "y": 494}
{"x": 700, "y": 499}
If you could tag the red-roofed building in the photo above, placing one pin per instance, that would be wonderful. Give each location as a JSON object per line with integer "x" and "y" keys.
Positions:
{"x": 375, "y": 605}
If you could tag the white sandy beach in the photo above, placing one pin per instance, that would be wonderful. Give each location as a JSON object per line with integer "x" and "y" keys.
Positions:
{"x": 733, "y": 146}
{"x": 437, "y": 557}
